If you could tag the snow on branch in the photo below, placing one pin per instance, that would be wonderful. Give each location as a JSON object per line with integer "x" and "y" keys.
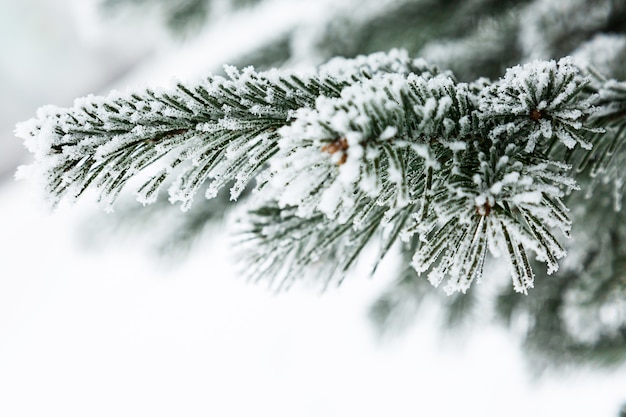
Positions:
{"x": 537, "y": 103}
{"x": 216, "y": 131}
{"x": 360, "y": 150}
{"x": 366, "y": 137}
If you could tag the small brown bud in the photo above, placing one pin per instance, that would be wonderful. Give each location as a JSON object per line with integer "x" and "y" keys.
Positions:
{"x": 484, "y": 210}
{"x": 338, "y": 145}
{"x": 535, "y": 115}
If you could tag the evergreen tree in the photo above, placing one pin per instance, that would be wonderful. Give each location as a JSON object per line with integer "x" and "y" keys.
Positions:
{"x": 495, "y": 130}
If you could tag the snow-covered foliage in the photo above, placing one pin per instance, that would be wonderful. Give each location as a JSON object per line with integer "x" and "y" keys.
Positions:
{"x": 505, "y": 205}
{"x": 379, "y": 146}
{"x": 212, "y": 125}
{"x": 366, "y": 136}
{"x": 537, "y": 102}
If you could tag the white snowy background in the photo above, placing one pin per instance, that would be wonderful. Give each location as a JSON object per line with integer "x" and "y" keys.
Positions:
{"x": 114, "y": 332}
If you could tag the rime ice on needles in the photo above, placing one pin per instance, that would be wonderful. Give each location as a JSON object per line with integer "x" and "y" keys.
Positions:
{"x": 103, "y": 142}
{"x": 495, "y": 202}
{"x": 351, "y": 152}
{"x": 279, "y": 246}
{"x": 342, "y": 148}
{"x": 396, "y": 61}
{"x": 536, "y": 103}
{"x": 360, "y": 143}
{"x": 216, "y": 131}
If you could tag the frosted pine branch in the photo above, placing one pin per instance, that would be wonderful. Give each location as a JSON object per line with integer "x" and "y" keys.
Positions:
{"x": 219, "y": 130}
{"x": 362, "y": 150}
{"x": 537, "y": 104}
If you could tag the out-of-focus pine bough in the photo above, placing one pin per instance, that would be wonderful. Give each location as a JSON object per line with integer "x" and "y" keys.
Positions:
{"x": 377, "y": 146}
{"x": 182, "y": 17}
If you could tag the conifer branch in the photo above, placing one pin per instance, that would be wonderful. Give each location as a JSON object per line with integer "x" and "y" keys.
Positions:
{"x": 222, "y": 128}
{"x": 380, "y": 146}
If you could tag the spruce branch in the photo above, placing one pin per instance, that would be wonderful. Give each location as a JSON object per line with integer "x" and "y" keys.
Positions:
{"x": 375, "y": 147}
